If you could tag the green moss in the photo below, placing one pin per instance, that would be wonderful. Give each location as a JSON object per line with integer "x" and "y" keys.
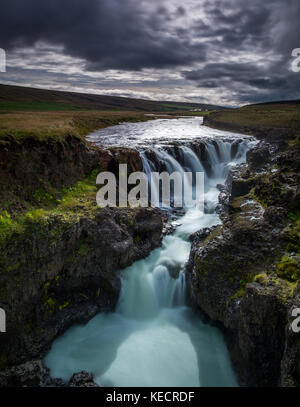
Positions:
{"x": 83, "y": 249}
{"x": 238, "y": 294}
{"x": 35, "y": 215}
{"x": 261, "y": 278}
{"x": 258, "y": 199}
{"x": 50, "y": 305}
{"x": 43, "y": 197}
{"x": 289, "y": 269}
{"x": 46, "y": 286}
{"x": 28, "y": 327}
{"x": 8, "y": 227}
{"x": 292, "y": 235}
{"x": 63, "y": 306}
{"x": 70, "y": 259}
{"x": 137, "y": 239}
{"x": 75, "y": 201}
{"x": 14, "y": 267}
{"x": 214, "y": 234}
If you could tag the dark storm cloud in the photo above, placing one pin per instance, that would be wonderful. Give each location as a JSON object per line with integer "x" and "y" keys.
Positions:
{"x": 252, "y": 82}
{"x": 251, "y": 28}
{"x": 108, "y": 34}
{"x": 217, "y": 41}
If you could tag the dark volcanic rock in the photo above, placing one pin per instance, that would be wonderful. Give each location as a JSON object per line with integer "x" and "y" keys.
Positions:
{"x": 290, "y": 364}
{"x": 120, "y": 155}
{"x": 245, "y": 275}
{"x": 29, "y": 374}
{"x": 238, "y": 181}
{"x": 82, "y": 379}
{"x": 259, "y": 156}
{"x": 35, "y": 374}
{"x": 62, "y": 271}
{"x": 34, "y": 164}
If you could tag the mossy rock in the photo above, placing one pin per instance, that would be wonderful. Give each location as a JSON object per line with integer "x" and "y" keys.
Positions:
{"x": 289, "y": 268}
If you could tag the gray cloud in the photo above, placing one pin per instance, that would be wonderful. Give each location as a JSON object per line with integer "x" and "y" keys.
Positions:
{"x": 232, "y": 51}
{"x": 108, "y": 34}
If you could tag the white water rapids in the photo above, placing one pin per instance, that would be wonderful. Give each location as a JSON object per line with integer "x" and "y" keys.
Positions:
{"x": 153, "y": 338}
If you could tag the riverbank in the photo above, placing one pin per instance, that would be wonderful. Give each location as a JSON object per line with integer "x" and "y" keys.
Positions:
{"x": 245, "y": 274}
{"x": 56, "y": 269}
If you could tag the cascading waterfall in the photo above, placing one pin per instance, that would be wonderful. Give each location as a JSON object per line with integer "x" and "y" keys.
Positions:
{"x": 153, "y": 338}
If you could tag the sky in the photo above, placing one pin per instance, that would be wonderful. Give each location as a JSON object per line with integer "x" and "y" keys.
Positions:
{"x": 225, "y": 52}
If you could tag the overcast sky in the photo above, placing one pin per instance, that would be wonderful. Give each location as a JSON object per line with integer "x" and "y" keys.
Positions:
{"x": 228, "y": 52}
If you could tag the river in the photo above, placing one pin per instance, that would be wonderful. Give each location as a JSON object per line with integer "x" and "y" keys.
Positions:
{"x": 153, "y": 338}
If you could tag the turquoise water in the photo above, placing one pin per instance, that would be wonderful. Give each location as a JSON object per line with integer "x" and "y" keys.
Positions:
{"x": 153, "y": 338}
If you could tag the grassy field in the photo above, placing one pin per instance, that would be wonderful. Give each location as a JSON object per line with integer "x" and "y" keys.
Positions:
{"x": 57, "y": 124}
{"x": 264, "y": 116}
{"x": 69, "y": 202}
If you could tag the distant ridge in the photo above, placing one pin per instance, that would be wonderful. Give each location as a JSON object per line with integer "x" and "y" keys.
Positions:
{"x": 278, "y": 102}
{"x": 24, "y": 98}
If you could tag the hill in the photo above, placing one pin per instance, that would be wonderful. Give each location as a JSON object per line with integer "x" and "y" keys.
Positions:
{"x": 23, "y": 98}
{"x": 280, "y": 117}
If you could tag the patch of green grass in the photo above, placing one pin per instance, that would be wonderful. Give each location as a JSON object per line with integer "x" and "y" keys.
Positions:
{"x": 9, "y": 226}
{"x": 68, "y": 203}
{"x": 58, "y": 124}
{"x": 249, "y": 119}
{"x": 81, "y": 194}
{"x": 36, "y": 106}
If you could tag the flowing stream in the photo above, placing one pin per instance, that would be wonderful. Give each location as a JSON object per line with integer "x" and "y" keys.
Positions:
{"x": 153, "y": 338}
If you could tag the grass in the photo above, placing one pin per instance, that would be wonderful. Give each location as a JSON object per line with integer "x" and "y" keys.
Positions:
{"x": 35, "y": 106}
{"x": 58, "y": 124}
{"x": 71, "y": 202}
{"x": 283, "y": 116}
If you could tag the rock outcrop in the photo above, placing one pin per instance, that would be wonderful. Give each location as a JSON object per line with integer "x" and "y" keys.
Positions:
{"x": 245, "y": 275}
{"x": 63, "y": 270}
{"x": 36, "y": 374}
{"x": 31, "y": 167}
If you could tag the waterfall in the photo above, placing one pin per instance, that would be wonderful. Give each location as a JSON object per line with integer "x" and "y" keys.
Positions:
{"x": 183, "y": 159}
{"x": 163, "y": 286}
{"x": 153, "y": 338}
